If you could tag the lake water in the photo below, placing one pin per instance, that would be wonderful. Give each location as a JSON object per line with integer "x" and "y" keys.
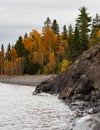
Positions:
{"x": 20, "y": 110}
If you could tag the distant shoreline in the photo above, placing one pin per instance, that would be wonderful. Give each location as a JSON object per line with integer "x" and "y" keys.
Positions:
{"x": 29, "y": 80}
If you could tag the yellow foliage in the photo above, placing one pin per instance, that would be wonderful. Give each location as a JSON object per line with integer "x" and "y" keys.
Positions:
{"x": 37, "y": 58}
{"x": 61, "y": 49}
{"x": 52, "y": 59}
{"x": 64, "y": 65}
{"x": 98, "y": 34}
{"x": 51, "y": 65}
{"x": 28, "y": 43}
{"x": 46, "y": 70}
{"x": 49, "y": 39}
{"x": 18, "y": 60}
{"x": 13, "y": 54}
{"x": 7, "y": 68}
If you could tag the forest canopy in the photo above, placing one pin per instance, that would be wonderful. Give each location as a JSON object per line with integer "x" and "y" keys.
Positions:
{"x": 50, "y": 51}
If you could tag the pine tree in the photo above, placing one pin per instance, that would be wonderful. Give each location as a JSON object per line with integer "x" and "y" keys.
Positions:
{"x": 55, "y": 27}
{"x": 26, "y": 35}
{"x": 47, "y": 23}
{"x": 21, "y": 50}
{"x": 83, "y": 22}
{"x": 70, "y": 42}
{"x": 19, "y": 46}
{"x": 64, "y": 33}
{"x": 8, "y": 53}
{"x": 76, "y": 43}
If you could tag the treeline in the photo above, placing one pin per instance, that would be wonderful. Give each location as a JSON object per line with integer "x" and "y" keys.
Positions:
{"x": 50, "y": 51}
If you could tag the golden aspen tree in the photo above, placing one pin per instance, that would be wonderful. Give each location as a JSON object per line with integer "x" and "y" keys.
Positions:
{"x": 64, "y": 65}
{"x": 10, "y": 65}
{"x": 13, "y": 58}
{"x": 98, "y": 34}
{"x": 2, "y": 60}
{"x": 50, "y": 68}
{"x": 28, "y": 43}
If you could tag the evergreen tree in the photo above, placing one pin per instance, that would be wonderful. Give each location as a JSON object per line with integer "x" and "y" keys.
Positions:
{"x": 21, "y": 50}
{"x": 55, "y": 27}
{"x": 8, "y": 53}
{"x": 47, "y": 23}
{"x": 26, "y": 65}
{"x": 19, "y": 46}
{"x": 83, "y": 22}
{"x": 95, "y": 29}
{"x": 26, "y": 35}
{"x": 9, "y": 47}
{"x": 76, "y": 43}
{"x": 70, "y": 42}
{"x": 64, "y": 33}
{"x": 30, "y": 69}
{"x": 2, "y": 48}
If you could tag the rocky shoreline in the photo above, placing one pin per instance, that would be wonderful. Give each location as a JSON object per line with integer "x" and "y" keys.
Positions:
{"x": 83, "y": 110}
{"x": 29, "y": 80}
{"x": 80, "y": 82}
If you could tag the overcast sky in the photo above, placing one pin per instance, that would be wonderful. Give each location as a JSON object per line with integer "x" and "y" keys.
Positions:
{"x": 20, "y": 16}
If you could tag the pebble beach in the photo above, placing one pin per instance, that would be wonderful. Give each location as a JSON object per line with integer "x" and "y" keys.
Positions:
{"x": 29, "y": 80}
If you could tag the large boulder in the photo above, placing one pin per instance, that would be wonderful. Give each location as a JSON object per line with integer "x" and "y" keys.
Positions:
{"x": 80, "y": 81}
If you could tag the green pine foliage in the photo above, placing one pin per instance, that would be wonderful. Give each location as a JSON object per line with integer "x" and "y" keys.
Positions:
{"x": 55, "y": 27}
{"x": 19, "y": 46}
{"x": 65, "y": 37}
{"x": 83, "y": 23}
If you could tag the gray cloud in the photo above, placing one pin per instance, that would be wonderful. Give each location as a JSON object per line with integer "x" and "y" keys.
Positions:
{"x": 20, "y": 16}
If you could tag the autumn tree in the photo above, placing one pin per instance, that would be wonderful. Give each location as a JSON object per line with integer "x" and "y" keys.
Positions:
{"x": 64, "y": 65}
{"x": 13, "y": 59}
{"x": 94, "y": 39}
{"x": 10, "y": 61}
{"x": 52, "y": 63}
{"x": 49, "y": 39}
{"x": 2, "y": 60}
{"x": 50, "y": 51}
{"x": 36, "y": 52}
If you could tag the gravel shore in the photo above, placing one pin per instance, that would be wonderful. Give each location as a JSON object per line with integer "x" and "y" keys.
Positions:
{"x": 30, "y": 80}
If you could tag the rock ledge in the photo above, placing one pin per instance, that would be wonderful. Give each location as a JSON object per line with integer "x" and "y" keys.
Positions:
{"x": 80, "y": 81}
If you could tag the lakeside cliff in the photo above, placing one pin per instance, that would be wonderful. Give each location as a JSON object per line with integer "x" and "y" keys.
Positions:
{"x": 80, "y": 81}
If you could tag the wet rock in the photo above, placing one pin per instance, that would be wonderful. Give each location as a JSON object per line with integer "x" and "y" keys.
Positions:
{"x": 80, "y": 81}
{"x": 97, "y": 126}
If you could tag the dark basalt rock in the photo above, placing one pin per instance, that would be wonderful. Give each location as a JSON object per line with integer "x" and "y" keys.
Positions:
{"x": 80, "y": 81}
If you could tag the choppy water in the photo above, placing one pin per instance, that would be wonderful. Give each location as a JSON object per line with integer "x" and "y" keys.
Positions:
{"x": 20, "y": 110}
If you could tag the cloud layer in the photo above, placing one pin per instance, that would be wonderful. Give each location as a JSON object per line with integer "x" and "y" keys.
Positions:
{"x": 20, "y": 16}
